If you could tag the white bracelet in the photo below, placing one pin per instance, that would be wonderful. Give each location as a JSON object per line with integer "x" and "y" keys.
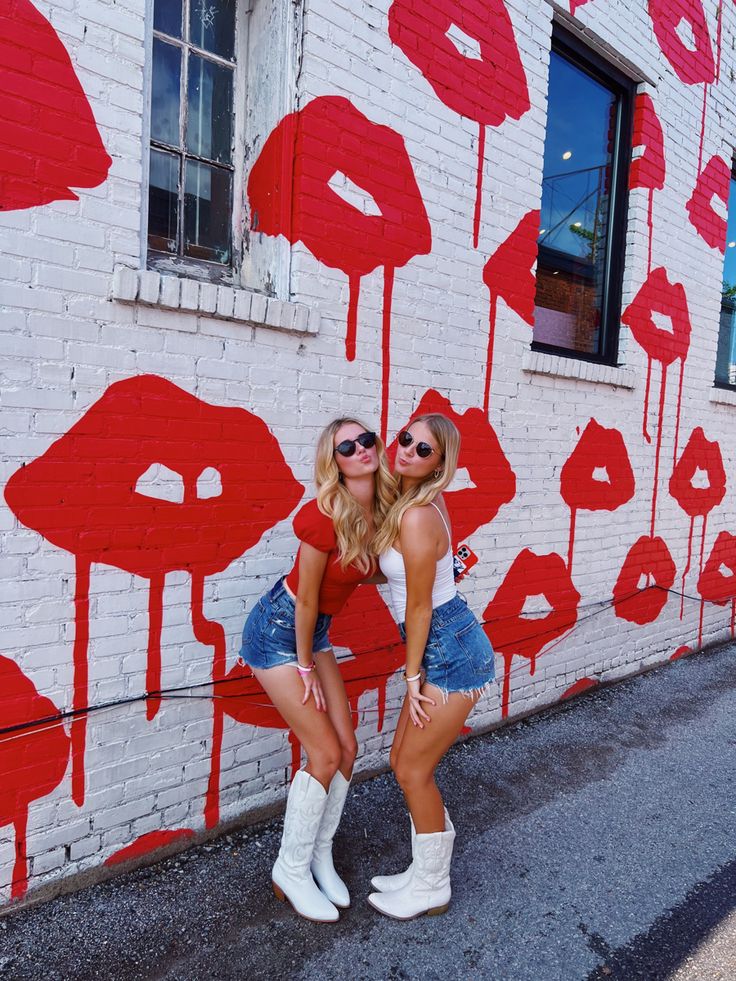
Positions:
{"x": 415, "y": 678}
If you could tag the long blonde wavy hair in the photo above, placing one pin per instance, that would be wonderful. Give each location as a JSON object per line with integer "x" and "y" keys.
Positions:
{"x": 447, "y": 438}
{"x": 355, "y": 543}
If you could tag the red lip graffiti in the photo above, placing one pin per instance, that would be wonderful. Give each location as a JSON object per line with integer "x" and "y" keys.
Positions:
{"x": 327, "y": 137}
{"x": 509, "y": 631}
{"x": 649, "y": 557}
{"x": 481, "y": 454}
{"x": 82, "y": 496}
{"x": 49, "y": 141}
{"x": 581, "y": 489}
{"x": 714, "y": 585}
{"x": 659, "y": 295}
{"x": 508, "y": 274}
{"x": 714, "y": 181}
{"x": 488, "y": 89}
{"x": 692, "y": 66}
{"x": 648, "y": 170}
{"x": 699, "y": 454}
{"x": 33, "y": 761}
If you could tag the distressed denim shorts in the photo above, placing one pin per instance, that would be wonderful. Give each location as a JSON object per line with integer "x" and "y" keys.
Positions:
{"x": 458, "y": 656}
{"x": 269, "y": 634}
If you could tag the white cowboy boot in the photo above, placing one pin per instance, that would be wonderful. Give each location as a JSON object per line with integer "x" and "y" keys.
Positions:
{"x": 428, "y": 890}
{"x": 291, "y": 876}
{"x": 323, "y": 869}
{"x": 388, "y": 883}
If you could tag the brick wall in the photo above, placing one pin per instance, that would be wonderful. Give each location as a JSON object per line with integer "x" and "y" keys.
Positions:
{"x": 71, "y": 330}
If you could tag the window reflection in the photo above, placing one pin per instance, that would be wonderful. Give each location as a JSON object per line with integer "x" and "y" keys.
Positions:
{"x": 574, "y": 241}
{"x": 726, "y": 353}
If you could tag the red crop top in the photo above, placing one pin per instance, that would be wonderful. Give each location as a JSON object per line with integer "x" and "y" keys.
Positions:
{"x": 315, "y": 528}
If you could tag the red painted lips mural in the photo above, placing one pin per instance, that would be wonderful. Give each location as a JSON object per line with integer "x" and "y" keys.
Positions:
{"x": 648, "y": 169}
{"x": 510, "y": 631}
{"x": 597, "y": 476}
{"x": 659, "y": 298}
{"x": 329, "y": 137}
{"x": 33, "y": 761}
{"x": 494, "y": 482}
{"x": 698, "y": 484}
{"x": 715, "y": 181}
{"x": 636, "y": 597}
{"x": 717, "y": 582}
{"x": 508, "y": 275}
{"x": 85, "y": 495}
{"x": 488, "y": 89}
{"x": 49, "y": 141}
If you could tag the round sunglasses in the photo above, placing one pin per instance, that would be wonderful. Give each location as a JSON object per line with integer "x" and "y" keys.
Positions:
{"x": 347, "y": 447}
{"x": 424, "y": 450}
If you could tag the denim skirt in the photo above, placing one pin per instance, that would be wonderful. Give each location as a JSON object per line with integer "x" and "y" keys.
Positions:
{"x": 269, "y": 634}
{"x": 458, "y": 656}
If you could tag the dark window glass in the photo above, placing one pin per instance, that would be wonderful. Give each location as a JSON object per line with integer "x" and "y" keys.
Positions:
{"x": 191, "y": 156}
{"x": 212, "y": 26}
{"x": 583, "y": 209}
{"x": 167, "y": 17}
{"x": 163, "y": 203}
{"x": 726, "y": 354}
{"x": 210, "y": 110}
{"x": 207, "y": 207}
{"x": 165, "y": 98}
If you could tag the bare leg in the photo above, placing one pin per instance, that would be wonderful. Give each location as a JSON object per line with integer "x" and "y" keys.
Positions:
{"x": 338, "y": 709}
{"x": 421, "y": 750}
{"x": 314, "y": 730}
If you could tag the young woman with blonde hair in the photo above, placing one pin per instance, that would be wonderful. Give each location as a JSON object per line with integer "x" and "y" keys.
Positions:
{"x": 449, "y": 660}
{"x": 286, "y": 644}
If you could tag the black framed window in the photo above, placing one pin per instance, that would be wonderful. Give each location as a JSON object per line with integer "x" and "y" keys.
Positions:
{"x": 584, "y": 204}
{"x": 726, "y": 353}
{"x": 190, "y": 195}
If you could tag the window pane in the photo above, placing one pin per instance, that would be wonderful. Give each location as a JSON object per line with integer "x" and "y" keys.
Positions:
{"x": 207, "y": 206}
{"x": 210, "y": 110}
{"x": 726, "y": 355}
{"x": 167, "y": 17}
{"x": 576, "y": 188}
{"x": 165, "y": 93}
{"x": 163, "y": 201}
{"x": 212, "y": 26}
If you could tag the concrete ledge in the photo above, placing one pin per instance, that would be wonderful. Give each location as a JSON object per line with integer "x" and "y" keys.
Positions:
{"x": 723, "y": 396}
{"x": 149, "y": 287}
{"x": 541, "y": 363}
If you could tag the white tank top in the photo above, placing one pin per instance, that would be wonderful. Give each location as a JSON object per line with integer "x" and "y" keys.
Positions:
{"x": 393, "y": 568}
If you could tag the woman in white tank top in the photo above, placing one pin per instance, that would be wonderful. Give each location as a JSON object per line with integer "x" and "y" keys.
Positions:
{"x": 449, "y": 659}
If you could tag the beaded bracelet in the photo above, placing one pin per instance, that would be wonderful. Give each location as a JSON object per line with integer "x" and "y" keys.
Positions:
{"x": 305, "y": 668}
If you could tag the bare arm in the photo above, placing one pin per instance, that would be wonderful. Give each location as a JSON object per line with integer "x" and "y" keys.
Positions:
{"x": 312, "y": 565}
{"x": 419, "y": 541}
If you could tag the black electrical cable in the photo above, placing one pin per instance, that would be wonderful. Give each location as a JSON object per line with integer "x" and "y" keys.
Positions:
{"x": 173, "y": 694}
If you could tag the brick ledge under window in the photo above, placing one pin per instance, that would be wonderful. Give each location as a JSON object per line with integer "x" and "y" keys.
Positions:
{"x": 541, "y": 363}
{"x": 726, "y": 396}
{"x": 192, "y": 296}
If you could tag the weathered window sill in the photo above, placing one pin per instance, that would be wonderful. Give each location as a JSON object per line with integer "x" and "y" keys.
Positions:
{"x": 724, "y": 396}
{"x": 541, "y": 363}
{"x": 192, "y": 296}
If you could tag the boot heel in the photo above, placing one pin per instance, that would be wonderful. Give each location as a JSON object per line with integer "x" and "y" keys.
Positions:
{"x": 278, "y": 892}
{"x": 438, "y": 910}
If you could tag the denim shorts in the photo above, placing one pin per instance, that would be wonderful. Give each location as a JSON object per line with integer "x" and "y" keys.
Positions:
{"x": 269, "y": 634}
{"x": 458, "y": 656}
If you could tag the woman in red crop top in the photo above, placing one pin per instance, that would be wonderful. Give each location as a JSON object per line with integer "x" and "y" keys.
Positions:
{"x": 285, "y": 642}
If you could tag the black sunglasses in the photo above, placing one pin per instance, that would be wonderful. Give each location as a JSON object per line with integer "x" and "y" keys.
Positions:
{"x": 347, "y": 447}
{"x": 423, "y": 449}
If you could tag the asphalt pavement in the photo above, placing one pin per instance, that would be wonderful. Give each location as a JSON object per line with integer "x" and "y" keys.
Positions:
{"x": 595, "y": 841}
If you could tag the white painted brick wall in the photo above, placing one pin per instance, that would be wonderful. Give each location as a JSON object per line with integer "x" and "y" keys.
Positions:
{"x": 63, "y": 342}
